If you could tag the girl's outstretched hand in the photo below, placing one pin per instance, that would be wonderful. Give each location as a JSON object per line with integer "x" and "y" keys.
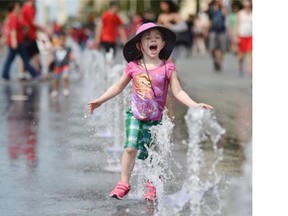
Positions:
{"x": 205, "y": 106}
{"x": 93, "y": 105}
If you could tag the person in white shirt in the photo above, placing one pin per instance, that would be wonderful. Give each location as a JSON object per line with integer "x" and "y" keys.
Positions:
{"x": 244, "y": 35}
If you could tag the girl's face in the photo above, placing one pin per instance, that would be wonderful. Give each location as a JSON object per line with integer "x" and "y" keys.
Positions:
{"x": 152, "y": 43}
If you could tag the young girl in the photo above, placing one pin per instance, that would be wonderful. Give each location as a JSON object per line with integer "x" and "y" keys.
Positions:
{"x": 61, "y": 58}
{"x": 151, "y": 75}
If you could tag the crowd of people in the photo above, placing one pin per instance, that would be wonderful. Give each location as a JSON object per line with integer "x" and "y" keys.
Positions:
{"x": 21, "y": 33}
{"x": 217, "y": 30}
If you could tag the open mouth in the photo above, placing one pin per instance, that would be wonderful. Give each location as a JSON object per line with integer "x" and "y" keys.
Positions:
{"x": 153, "y": 48}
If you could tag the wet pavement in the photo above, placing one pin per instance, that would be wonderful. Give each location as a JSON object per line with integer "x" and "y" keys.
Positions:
{"x": 52, "y": 163}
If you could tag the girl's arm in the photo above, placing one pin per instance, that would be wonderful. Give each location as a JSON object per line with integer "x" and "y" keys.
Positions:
{"x": 182, "y": 96}
{"x": 114, "y": 90}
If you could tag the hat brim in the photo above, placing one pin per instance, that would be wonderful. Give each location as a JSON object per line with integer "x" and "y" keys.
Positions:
{"x": 132, "y": 53}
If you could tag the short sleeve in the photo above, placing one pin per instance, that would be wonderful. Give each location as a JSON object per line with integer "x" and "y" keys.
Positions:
{"x": 130, "y": 68}
{"x": 170, "y": 66}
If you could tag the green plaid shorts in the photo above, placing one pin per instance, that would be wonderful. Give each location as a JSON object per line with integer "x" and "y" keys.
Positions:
{"x": 138, "y": 133}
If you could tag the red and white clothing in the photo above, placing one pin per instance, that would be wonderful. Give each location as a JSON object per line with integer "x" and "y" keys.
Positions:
{"x": 245, "y": 31}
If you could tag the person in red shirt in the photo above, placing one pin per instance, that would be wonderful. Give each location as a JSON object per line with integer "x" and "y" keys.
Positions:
{"x": 107, "y": 30}
{"x": 28, "y": 16}
{"x": 15, "y": 42}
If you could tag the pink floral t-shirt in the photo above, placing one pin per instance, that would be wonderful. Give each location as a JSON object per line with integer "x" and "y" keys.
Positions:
{"x": 148, "y": 103}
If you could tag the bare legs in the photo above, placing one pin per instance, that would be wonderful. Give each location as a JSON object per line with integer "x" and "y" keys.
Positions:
{"x": 65, "y": 82}
{"x": 218, "y": 57}
{"x": 249, "y": 63}
{"x": 128, "y": 162}
{"x": 241, "y": 57}
{"x": 56, "y": 85}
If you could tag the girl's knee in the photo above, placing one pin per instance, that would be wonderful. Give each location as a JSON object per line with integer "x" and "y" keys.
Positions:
{"x": 131, "y": 151}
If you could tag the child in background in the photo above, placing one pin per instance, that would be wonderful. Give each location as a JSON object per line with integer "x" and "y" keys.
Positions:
{"x": 151, "y": 74}
{"x": 60, "y": 59}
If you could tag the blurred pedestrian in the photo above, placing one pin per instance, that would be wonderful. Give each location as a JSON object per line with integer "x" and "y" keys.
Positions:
{"x": 56, "y": 28}
{"x": 108, "y": 28}
{"x": 134, "y": 22}
{"x": 232, "y": 30}
{"x": 61, "y": 58}
{"x": 190, "y": 23}
{"x": 151, "y": 74}
{"x": 170, "y": 18}
{"x": 15, "y": 42}
{"x": 244, "y": 35}
{"x": 217, "y": 36}
{"x": 199, "y": 45}
{"x": 79, "y": 34}
{"x": 148, "y": 16}
{"x": 90, "y": 27}
{"x": 28, "y": 15}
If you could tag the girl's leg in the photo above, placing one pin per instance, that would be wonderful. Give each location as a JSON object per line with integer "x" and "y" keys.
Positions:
{"x": 128, "y": 162}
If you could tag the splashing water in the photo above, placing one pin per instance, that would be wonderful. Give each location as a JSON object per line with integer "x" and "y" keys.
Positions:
{"x": 193, "y": 195}
{"x": 108, "y": 121}
{"x": 157, "y": 167}
{"x": 119, "y": 105}
{"x": 238, "y": 199}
